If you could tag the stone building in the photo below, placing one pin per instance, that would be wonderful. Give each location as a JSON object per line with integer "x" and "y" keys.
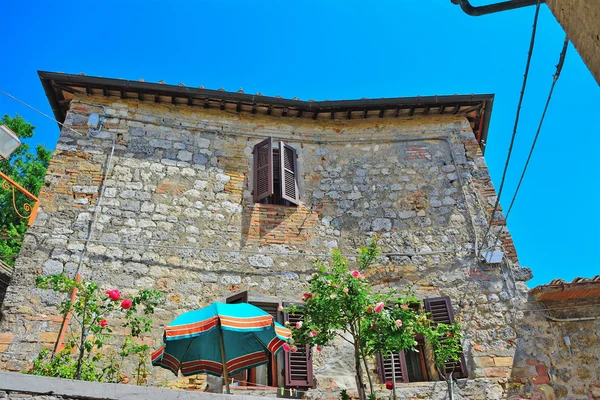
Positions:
{"x": 210, "y": 195}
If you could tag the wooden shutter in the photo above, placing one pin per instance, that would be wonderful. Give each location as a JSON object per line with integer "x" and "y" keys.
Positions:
{"x": 241, "y": 297}
{"x": 384, "y": 365}
{"x": 288, "y": 173}
{"x": 263, "y": 170}
{"x": 441, "y": 312}
{"x": 298, "y": 365}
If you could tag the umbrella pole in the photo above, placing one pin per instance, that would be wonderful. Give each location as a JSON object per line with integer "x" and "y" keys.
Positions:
{"x": 224, "y": 361}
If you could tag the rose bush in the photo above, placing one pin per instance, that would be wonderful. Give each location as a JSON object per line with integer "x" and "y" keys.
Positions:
{"x": 92, "y": 311}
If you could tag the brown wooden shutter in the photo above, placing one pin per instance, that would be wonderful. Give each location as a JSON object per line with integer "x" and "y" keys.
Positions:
{"x": 441, "y": 312}
{"x": 288, "y": 168}
{"x": 384, "y": 366}
{"x": 241, "y": 297}
{"x": 263, "y": 170}
{"x": 298, "y": 370}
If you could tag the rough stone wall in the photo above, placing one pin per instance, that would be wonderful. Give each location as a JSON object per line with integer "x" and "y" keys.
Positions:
{"x": 581, "y": 20}
{"x": 182, "y": 177}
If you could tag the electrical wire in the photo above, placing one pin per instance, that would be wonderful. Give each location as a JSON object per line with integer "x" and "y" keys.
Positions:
{"x": 40, "y": 112}
{"x": 556, "y": 75}
{"x": 559, "y": 66}
{"x": 514, "y": 133}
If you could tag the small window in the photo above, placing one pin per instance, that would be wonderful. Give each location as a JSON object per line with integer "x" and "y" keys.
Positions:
{"x": 411, "y": 366}
{"x": 275, "y": 174}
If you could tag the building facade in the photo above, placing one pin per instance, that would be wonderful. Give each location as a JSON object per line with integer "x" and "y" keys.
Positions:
{"x": 216, "y": 196}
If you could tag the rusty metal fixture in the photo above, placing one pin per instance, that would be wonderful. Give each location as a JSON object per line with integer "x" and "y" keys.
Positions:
{"x": 29, "y": 211}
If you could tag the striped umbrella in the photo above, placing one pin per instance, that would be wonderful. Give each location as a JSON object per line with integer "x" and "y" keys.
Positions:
{"x": 220, "y": 339}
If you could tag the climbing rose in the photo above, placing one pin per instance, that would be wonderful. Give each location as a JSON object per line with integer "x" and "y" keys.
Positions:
{"x": 114, "y": 295}
{"x": 280, "y": 308}
{"x": 286, "y": 347}
{"x": 312, "y": 333}
{"x": 298, "y": 324}
{"x": 103, "y": 323}
{"x": 126, "y": 304}
{"x": 398, "y": 323}
{"x": 306, "y": 296}
{"x": 404, "y": 306}
{"x": 379, "y": 307}
{"x": 355, "y": 273}
{"x": 389, "y": 385}
{"x": 345, "y": 290}
{"x": 319, "y": 348}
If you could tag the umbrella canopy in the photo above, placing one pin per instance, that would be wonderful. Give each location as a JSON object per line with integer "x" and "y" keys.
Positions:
{"x": 241, "y": 334}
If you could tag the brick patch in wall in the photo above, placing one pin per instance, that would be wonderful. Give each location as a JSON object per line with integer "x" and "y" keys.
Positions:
{"x": 418, "y": 153}
{"x": 277, "y": 224}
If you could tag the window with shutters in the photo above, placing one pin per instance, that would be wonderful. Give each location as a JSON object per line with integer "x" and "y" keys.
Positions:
{"x": 412, "y": 366}
{"x": 275, "y": 174}
{"x": 287, "y": 369}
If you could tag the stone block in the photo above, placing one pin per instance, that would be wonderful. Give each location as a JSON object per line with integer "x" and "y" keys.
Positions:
{"x": 48, "y": 337}
{"x": 495, "y": 372}
{"x": 504, "y": 361}
{"x": 6, "y": 338}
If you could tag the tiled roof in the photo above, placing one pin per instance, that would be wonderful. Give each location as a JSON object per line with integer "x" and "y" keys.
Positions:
{"x": 559, "y": 289}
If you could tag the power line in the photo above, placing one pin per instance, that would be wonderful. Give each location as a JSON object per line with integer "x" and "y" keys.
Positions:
{"x": 559, "y": 66}
{"x": 514, "y": 133}
{"x": 39, "y": 112}
{"x": 556, "y": 75}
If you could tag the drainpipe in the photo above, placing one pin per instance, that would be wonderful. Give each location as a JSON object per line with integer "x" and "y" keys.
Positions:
{"x": 494, "y": 8}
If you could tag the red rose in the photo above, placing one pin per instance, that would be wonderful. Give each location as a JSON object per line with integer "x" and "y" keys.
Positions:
{"x": 389, "y": 385}
{"x": 125, "y": 304}
{"x": 103, "y": 323}
{"x": 114, "y": 295}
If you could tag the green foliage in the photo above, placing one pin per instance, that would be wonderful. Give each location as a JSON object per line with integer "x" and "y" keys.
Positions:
{"x": 92, "y": 310}
{"x": 344, "y": 395}
{"x": 62, "y": 365}
{"x": 342, "y": 302}
{"x": 446, "y": 341}
{"x": 28, "y": 169}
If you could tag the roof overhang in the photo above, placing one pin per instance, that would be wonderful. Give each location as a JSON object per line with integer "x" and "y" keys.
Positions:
{"x": 558, "y": 289}
{"x": 62, "y": 88}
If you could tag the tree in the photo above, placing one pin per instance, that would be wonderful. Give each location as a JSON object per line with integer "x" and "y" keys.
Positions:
{"x": 446, "y": 341}
{"x": 28, "y": 169}
{"x": 342, "y": 303}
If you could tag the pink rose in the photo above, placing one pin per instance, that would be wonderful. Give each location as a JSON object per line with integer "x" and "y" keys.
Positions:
{"x": 361, "y": 277}
{"x": 355, "y": 273}
{"x": 319, "y": 348}
{"x": 298, "y": 324}
{"x": 404, "y": 306}
{"x": 345, "y": 290}
{"x": 114, "y": 295}
{"x": 286, "y": 347}
{"x": 126, "y": 304}
{"x": 312, "y": 333}
{"x": 389, "y": 385}
{"x": 379, "y": 307}
{"x": 306, "y": 296}
{"x": 293, "y": 349}
{"x": 103, "y": 323}
{"x": 398, "y": 323}
{"x": 280, "y": 308}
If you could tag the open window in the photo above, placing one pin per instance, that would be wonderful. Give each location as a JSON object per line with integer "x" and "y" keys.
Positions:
{"x": 412, "y": 366}
{"x": 287, "y": 369}
{"x": 275, "y": 174}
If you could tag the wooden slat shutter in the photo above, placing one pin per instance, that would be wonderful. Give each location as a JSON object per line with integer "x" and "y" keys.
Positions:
{"x": 298, "y": 365}
{"x": 384, "y": 365}
{"x": 263, "y": 170}
{"x": 288, "y": 168}
{"x": 441, "y": 312}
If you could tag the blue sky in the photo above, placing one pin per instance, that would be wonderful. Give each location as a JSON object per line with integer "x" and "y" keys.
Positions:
{"x": 348, "y": 49}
